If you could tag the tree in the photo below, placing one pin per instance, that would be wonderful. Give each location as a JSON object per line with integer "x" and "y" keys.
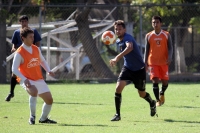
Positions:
{"x": 3, "y": 15}
{"x": 89, "y": 43}
{"x": 6, "y": 13}
{"x": 173, "y": 16}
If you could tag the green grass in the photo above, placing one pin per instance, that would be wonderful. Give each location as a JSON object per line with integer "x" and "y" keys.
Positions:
{"x": 88, "y": 108}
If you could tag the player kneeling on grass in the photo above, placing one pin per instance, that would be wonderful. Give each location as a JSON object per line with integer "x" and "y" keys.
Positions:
{"x": 26, "y": 65}
{"x": 132, "y": 71}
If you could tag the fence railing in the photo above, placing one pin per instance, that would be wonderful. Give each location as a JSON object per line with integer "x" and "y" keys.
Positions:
{"x": 66, "y": 55}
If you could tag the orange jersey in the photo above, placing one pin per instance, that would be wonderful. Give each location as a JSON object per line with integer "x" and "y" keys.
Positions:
{"x": 158, "y": 51}
{"x": 31, "y": 65}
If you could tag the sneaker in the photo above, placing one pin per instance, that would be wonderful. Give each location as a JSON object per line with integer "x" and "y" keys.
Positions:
{"x": 9, "y": 97}
{"x": 162, "y": 99}
{"x": 116, "y": 118}
{"x": 48, "y": 121}
{"x": 153, "y": 108}
{"x": 32, "y": 120}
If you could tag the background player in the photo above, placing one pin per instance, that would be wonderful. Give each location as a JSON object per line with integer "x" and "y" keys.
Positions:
{"x": 26, "y": 65}
{"x": 158, "y": 56}
{"x": 16, "y": 40}
{"x": 132, "y": 71}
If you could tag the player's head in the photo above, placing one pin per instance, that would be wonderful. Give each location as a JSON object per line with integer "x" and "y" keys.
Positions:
{"x": 156, "y": 22}
{"x": 119, "y": 28}
{"x": 27, "y": 35}
{"x": 23, "y": 20}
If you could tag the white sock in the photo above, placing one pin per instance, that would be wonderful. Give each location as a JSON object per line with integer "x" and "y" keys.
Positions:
{"x": 45, "y": 111}
{"x": 32, "y": 105}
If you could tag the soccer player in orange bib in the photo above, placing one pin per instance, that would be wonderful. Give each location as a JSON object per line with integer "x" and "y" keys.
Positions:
{"x": 26, "y": 65}
{"x": 157, "y": 57}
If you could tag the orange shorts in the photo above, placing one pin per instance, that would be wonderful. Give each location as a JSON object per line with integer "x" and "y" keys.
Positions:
{"x": 160, "y": 72}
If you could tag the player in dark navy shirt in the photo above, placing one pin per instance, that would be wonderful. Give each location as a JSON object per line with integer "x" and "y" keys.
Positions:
{"x": 133, "y": 70}
{"x": 17, "y": 42}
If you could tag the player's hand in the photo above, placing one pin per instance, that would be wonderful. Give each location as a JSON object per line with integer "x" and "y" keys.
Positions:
{"x": 113, "y": 62}
{"x": 168, "y": 62}
{"x": 146, "y": 67}
{"x": 13, "y": 50}
{"x": 27, "y": 83}
{"x": 51, "y": 73}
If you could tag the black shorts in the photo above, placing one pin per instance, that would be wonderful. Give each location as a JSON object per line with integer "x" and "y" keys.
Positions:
{"x": 138, "y": 78}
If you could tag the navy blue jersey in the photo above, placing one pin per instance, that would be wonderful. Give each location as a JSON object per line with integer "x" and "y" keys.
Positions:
{"x": 16, "y": 39}
{"x": 132, "y": 60}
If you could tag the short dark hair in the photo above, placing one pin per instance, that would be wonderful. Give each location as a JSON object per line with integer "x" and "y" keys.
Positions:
{"x": 120, "y": 22}
{"x": 25, "y": 31}
{"x": 23, "y": 17}
{"x": 157, "y": 17}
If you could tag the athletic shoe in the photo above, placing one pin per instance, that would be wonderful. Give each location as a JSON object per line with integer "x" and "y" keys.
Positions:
{"x": 153, "y": 108}
{"x": 48, "y": 121}
{"x": 32, "y": 120}
{"x": 116, "y": 118}
{"x": 9, "y": 97}
{"x": 162, "y": 99}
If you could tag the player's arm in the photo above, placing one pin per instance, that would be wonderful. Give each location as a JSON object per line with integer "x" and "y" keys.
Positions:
{"x": 13, "y": 48}
{"x": 128, "y": 49}
{"x": 146, "y": 53}
{"x": 37, "y": 38}
{"x": 16, "y": 63}
{"x": 14, "y": 42}
{"x": 170, "y": 49}
{"x": 44, "y": 64}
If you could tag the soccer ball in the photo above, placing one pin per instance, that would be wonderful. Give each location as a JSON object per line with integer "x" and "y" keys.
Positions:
{"x": 108, "y": 37}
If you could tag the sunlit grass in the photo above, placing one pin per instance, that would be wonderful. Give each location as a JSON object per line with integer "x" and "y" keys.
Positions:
{"x": 88, "y": 108}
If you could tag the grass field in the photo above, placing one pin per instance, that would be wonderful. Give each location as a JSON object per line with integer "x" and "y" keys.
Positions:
{"x": 88, "y": 108}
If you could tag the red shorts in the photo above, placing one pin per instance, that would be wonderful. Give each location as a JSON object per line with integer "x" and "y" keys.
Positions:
{"x": 160, "y": 72}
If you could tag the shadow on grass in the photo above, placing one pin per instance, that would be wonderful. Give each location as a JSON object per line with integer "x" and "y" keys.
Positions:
{"x": 77, "y": 103}
{"x": 80, "y": 125}
{"x": 184, "y": 107}
{"x": 75, "y": 125}
{"x": 170, "y": 120}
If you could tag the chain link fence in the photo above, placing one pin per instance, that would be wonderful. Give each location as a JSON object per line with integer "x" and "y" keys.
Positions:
{"x": 72, "y": 59}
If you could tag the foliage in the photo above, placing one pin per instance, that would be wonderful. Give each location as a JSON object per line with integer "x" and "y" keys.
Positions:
{"x": 169, "y": 10}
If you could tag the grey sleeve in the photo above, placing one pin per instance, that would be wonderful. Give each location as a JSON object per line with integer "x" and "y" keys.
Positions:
{"x": 170, "y": 48}
{"x": 146, "y": 53}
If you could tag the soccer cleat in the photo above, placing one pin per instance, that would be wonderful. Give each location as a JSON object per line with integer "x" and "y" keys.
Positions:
{"x": 162, "y": 99}
{"x": 48, "y": 121}
{"x": 153, "y": 108}
{"x": 32, "y": 120}
{"x": 9, "y": 97}
{"x": 116, "y": 118}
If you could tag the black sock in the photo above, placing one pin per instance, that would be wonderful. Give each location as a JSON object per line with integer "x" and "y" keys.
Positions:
{"x": 156, "y": 90}
{"x": 164, "y": 88}
{"x": 148, "y": 99}
{"x": 13, "y": 84}
{"x": 118, "y": 99}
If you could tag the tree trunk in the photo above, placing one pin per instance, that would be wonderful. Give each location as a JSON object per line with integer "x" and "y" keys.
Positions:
{"x": 3, "y": 46}
{"x": 181, "y": 60}
{"x": 89, "y": 43}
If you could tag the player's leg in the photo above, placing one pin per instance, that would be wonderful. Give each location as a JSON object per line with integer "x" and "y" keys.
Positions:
{"x": 45, "y": 94}
{"x": 139, "y": 81}
{"x": 13, "y": 83}
{"x": 164, "y": 79}
{"x": 121, "y": 83}
{"x": 154, "y": 76}
{"x": 118, "y": 99}
{"x": 32, "y": 91}
{"x": 155, "y": 82}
